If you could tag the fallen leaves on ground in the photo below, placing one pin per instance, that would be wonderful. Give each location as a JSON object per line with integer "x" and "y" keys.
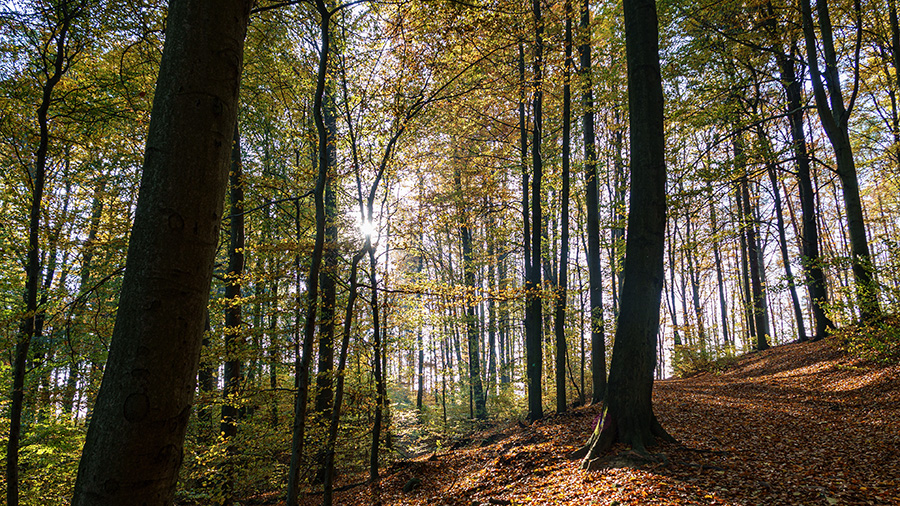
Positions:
{"x": 799, "y": 424}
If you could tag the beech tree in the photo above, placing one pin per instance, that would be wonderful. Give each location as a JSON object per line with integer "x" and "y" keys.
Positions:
{"x": 133, "y": 449}
{"x": 834, "y": 112}
{"x": 628, "y": 411}
{"x": 57, "y": 54}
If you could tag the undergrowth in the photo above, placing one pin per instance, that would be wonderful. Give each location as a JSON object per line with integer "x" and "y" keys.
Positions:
{"x": 877, "y": 340}
{"x": 691, "y": 360}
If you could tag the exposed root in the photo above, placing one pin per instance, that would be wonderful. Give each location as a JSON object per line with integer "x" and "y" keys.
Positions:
{"x": 604, "y": 436}
{"x": 657, "y": 430}
{"x": 608, "y": 432}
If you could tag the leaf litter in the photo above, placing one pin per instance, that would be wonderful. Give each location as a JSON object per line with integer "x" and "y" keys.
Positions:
{"x": 798, "y": 424}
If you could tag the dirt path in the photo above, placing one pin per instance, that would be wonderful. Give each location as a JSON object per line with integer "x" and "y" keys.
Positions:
{"x": 796, "y": 425}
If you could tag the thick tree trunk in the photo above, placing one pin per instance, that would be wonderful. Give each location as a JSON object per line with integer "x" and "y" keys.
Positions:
{"x": 628, "y": 414}
{"x": 592, "y": 203}
{"x": 133, "y": 449}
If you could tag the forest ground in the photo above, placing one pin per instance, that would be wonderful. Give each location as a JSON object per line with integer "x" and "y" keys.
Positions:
{"x": 799, "y": 424}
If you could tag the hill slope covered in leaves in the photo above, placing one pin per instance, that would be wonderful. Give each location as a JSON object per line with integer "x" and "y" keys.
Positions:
{"x": 800, "y": 424}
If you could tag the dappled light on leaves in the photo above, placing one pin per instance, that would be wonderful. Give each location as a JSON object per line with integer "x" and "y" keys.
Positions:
{"x": 796, "y": 424}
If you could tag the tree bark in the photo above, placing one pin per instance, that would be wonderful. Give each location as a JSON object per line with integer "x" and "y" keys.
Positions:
{"x": 628, "y": 414}
{"x": 133, "y": 449}
{"x": 562, "y": 281}
{"x": 592, "y": 203}
{"x": 835, "y": 117}
{"x": 533, "y": 307}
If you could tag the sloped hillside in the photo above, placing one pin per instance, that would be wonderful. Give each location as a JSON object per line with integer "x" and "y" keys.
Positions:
{"x": 800, "y": 424}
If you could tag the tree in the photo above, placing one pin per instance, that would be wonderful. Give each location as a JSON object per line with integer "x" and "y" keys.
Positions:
{"x": 312, "y": 280}
{"x": 133, "y": 449}
{"x": 835, "y": 117}
{"x": 592, "y": 202}
{"x": 233, "y": 370}
{"x": 61, "y": 17}
{"x": 533, "y": 329}
{"x": 809, "y": 241}
{"x": 562, "y": 282}
{"x": 628, "y": 413}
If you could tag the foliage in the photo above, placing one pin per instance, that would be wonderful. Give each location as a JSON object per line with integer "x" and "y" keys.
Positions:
{"x": 878, "y": 340}
{"x": 48, "y": 459}
{"x": 691, "y": 360}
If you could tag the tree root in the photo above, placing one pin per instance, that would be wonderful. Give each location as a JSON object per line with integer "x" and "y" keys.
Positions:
{"x": 607, "y": 432}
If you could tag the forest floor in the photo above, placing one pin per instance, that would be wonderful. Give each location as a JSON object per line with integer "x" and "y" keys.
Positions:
{"x": 799, "y": 424}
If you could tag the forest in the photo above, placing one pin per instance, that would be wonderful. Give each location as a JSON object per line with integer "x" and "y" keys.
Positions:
{"x": 270, "y": 251}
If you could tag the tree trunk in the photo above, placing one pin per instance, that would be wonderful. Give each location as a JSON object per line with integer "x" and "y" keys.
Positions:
{"x": 233, "y": 372}
{"x": 628, "y": 414}
{"x": 562, "y": 282}
{"x": 27, "y": 329}
{"x": 133, "y": 449}
{"x": 757, "y": 302}
{"x": 695, "y": 282}
{"x": 274, "y": 356}
{"x": 492, "y": 307}
{"x": 477, "y": 388}
{"x": 312, "y": 281}
{"x": 592, "y": 203}
{"x": 676, "y": 335}
{"x": 533, "y": 309}
{"x": 329, "y": 269}
{"x": 835, "y": 117}
{"x": 328, "y": 494}
{"x": 786, "y": 258}
{"x": 745, "y": 269}
{"x": 814, "y": 277}
{"x": 723, "y": 306}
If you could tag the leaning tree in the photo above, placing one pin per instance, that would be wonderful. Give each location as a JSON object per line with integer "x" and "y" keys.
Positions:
{"x": 134, "y": 445}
